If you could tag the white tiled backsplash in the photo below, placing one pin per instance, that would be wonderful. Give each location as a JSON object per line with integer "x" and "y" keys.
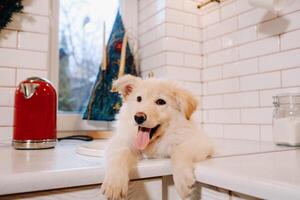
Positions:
{"x": 249, "y": 54}
{"x": 233, "y": 56}
{"x": 170, "y": 38}
{"x": 23, "y": 53}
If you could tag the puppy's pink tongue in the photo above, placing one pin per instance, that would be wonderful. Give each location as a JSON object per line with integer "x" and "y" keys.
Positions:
{"x": 142, "y": 139}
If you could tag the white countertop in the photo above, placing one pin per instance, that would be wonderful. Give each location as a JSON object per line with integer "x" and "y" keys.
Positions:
{"x": 273, "y": 175}
{"x": 35, "y": 170}
{"x": 62, "y": 167}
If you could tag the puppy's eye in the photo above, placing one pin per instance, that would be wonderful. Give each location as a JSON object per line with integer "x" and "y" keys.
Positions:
{"x": 160, "y": 102}
{"x": 139, "y": 99}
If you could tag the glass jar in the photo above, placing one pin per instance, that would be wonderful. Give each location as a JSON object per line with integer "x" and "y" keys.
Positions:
{"x": 286, "y": 119}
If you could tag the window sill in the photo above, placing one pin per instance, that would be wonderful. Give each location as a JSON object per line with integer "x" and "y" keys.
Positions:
{"x": 75, "y": 123}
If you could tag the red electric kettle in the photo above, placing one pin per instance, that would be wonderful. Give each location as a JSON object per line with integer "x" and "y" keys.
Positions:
{"x": 35, "y": 115}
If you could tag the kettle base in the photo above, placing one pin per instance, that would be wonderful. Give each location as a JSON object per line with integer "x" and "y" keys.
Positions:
{"x": 34, "y": 144}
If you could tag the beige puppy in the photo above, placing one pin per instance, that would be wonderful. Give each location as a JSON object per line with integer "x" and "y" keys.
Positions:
{"x": 155, "y": 120}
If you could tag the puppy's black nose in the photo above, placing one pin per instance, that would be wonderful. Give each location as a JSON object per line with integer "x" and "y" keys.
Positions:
{"x": 140, "y": 117}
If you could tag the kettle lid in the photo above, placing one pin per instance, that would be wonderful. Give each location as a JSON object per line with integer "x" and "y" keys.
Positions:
{"x": 29, "y": 86}
{"x": 38, "y": 79}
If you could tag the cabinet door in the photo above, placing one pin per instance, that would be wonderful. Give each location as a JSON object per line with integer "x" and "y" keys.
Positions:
{"x": 147, "y": 189}
{"x": 209, "y": 192}
{"x": 170, "y": 193}
{"x": 201, "y": 192}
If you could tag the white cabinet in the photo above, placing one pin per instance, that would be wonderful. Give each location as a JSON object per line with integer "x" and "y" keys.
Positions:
{"x": 169, "y": 190}
{"x": 148, "y": 189}
{"x": 211, "y": 193}
{"x": 201, "y": 192}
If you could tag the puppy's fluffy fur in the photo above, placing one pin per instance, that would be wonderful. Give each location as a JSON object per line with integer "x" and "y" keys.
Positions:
{"x": 176, "y": 135}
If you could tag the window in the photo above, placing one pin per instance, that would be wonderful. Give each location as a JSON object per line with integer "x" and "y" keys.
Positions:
{"x": 80, "y": 48}
{"x": 76, "y": 53}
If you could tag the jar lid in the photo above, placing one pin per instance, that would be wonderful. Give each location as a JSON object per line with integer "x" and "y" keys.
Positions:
{"x": 286, "y": 98}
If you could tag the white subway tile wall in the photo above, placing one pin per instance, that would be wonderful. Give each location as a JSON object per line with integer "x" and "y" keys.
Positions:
{"x": 250, "y": 132}
{"x": 249, "y": 55}
{"x": 170, "y": 43}
{"x": 6, "y": 133}
{"x": 23, "y": 53}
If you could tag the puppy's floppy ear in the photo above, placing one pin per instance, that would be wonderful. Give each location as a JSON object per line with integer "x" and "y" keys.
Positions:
{"x": 186, "y": 101}
{"x": 125, "y": 84}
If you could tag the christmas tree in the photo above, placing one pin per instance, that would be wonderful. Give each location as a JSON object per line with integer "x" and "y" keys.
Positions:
{"x": 103, "y": 103}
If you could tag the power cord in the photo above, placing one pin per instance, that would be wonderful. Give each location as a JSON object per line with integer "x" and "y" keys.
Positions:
{"x": 77, "y": 137}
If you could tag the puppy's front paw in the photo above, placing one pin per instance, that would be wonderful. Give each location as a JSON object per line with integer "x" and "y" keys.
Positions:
{"x": 184, "y": 181}
{"x": 115, "y": 186}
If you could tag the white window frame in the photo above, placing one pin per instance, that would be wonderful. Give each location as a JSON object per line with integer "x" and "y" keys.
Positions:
{"x": 74, "y": 122}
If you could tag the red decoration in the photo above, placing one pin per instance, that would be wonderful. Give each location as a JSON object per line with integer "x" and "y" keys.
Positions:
{"x": 118, "y": 45}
